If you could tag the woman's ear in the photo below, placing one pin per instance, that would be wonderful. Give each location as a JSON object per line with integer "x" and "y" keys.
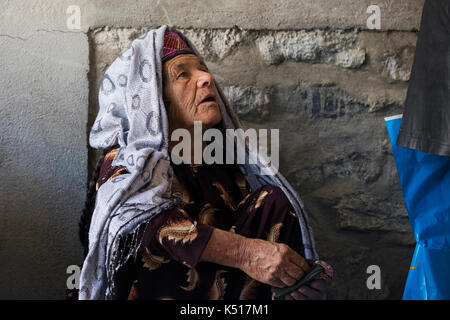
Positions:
{"x": 166, "y": 102}
{"x": 165, "y": 99}
{"x": 169, "y": 110}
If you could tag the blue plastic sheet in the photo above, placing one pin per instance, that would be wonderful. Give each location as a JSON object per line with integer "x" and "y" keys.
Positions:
{"x": 425, "y": 182}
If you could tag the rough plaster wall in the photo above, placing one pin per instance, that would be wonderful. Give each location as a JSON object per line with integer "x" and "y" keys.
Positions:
{"x": 43, "y": 153}
{"x": 43, "y": 159}
{"x": 317, "y": 73}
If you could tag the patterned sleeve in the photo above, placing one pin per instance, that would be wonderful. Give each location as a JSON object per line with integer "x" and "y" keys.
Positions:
{"x": 107, "y": 171}
{"x": 174, "y": 235}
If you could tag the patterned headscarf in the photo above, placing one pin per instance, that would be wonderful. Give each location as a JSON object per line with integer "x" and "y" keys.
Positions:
{"x": 132, "y": 114}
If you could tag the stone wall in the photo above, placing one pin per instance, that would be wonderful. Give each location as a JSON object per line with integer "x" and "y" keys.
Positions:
{"x": 328, "y": 90}
{"x": 309, "y": 67}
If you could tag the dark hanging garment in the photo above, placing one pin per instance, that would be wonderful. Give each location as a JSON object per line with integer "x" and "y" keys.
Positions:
{"x": 426, "y": 119}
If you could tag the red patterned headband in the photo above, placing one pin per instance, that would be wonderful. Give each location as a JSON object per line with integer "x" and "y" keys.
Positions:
{"x": 174, "y": 45}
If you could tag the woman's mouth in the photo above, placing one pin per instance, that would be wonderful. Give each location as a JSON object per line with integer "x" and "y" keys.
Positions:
{"x": 208, "y": 99}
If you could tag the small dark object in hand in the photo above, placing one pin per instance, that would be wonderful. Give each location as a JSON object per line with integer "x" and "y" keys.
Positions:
{"x": 319, "y": 270}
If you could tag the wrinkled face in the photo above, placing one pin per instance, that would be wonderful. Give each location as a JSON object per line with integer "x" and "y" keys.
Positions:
{"x": 189, "y": 93}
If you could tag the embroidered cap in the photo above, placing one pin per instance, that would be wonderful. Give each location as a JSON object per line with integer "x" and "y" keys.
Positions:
{"x": 174, "y": 45}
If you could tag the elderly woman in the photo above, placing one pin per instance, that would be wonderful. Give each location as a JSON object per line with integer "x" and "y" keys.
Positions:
{"x": 223, "y": 238}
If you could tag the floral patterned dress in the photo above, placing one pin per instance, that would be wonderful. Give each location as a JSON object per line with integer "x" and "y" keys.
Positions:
{"x": 168, "y": 264}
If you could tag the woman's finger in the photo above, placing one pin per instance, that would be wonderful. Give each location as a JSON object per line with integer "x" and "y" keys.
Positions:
{"x": 320, "y": 285}
{"x": 295, "y": 271}
{"x": 310, "y": 293}
{"x": 287, "y": 279}
{"x": 297, "y": 295}
{"x": 277, "y": 283}
{"x": 297, "y": 259}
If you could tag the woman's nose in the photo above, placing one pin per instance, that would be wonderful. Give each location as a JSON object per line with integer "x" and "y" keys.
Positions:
{"x": 204, "y": 80}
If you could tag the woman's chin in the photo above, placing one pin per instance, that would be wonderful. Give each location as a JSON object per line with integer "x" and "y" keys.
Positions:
{"x": 211, "y": 116}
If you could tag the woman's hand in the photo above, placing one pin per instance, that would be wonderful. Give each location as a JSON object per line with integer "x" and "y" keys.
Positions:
{"x": 316, "y": 290}
{"x": 272, "y": 263}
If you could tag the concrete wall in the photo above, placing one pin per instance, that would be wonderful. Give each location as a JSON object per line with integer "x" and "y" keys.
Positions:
{"x": 43, "y": 153}
{"x": 309, "y": 67}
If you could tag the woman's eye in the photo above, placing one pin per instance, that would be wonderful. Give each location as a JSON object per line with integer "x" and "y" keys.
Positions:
{"x": 182, "y": 74}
